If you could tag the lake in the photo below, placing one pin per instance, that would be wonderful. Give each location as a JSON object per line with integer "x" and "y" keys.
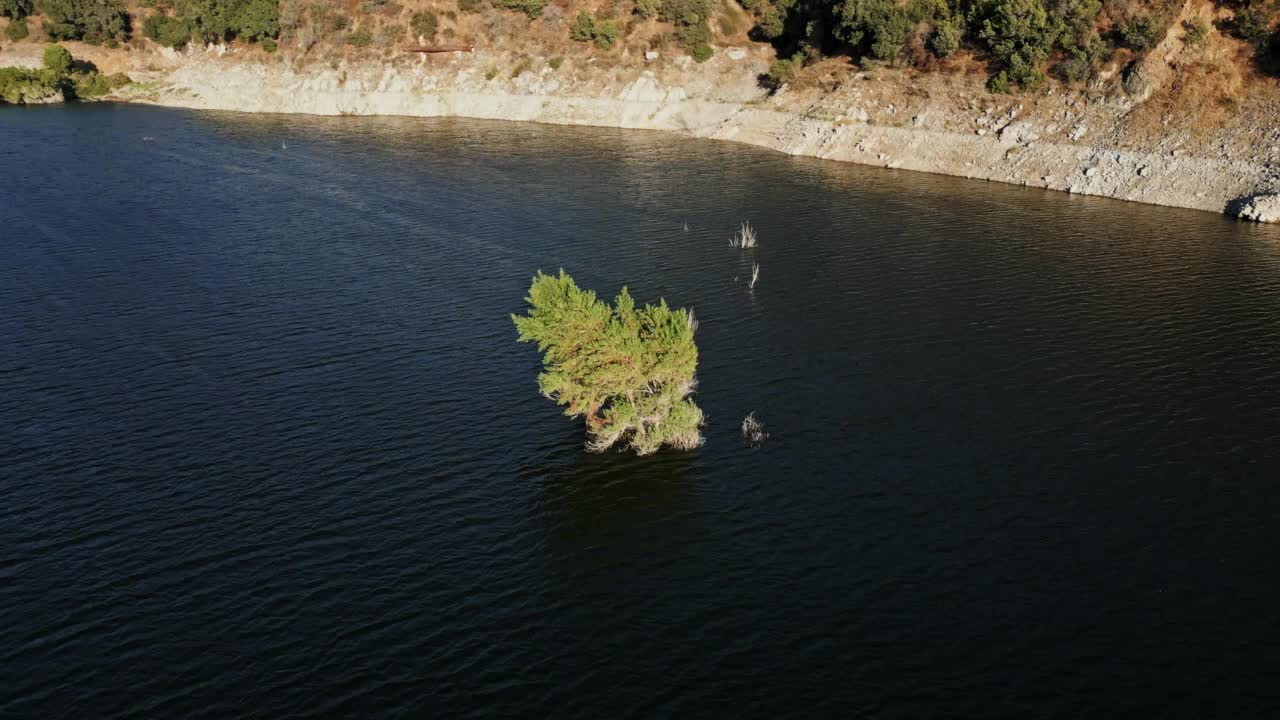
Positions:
{"x": 269, "y": 447}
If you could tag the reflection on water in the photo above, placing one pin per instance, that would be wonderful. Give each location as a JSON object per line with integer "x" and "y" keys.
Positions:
{"x": 272, "y": 448}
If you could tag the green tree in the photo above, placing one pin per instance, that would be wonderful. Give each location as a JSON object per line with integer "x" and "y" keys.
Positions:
{"x": 93, "y": 21}
{"x": 1020, "y": 33}
{"x": 168, "y": 31}
{"x": 628, "y": 371}
{"x": 17, "y": 29}
{"x": 583, "y": 28}
{"x": 256, "y": 19}
{"x": 57, "y": 60}
{"x": 16, "y": 9}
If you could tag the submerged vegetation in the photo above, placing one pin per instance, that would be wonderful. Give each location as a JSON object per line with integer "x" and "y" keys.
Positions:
{"x": 628, "y": 371}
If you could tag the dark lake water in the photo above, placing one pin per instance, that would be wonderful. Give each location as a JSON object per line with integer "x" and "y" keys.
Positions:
{"x": 269, "y": 448}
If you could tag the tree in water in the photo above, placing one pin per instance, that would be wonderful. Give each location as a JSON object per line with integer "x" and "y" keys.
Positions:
{"x": 629, "y": 371}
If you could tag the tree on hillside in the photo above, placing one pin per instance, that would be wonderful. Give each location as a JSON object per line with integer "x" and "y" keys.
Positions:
{"x": 93, "y": 21}
{"x": 627, "y": 370}
{"x": 15, "y": 9}
{"x": 57, "y": 60}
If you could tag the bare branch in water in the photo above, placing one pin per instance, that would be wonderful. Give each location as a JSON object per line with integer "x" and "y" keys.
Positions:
{"x": 746, "y": 237}
{"x": 755, "y": 275}
{"x": 753, "y": 430}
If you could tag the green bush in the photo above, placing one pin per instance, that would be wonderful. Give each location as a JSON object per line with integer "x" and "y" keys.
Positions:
{"x": 15, "y": 9}
{"x": 648, "y": 8}
{"x": 606, "y": 33}
{"x": 877, "y": 27}
{"x": 93, "y": 21}
{"x": 1194, "y": 31}
{"x": 999, "y": 83}
{"x": 269, "y": 44}
{"x": 424, "y": 23}
{"x": 945, "y": 40}
{"x": 627, "y": 370}
{"x": 1140, "y": 32}
{"x": 556, "y": 62}
{"x": 57, "y": 60}
{"x": 1020, "y": 34}
{"x": 468, "y": 5}
{"x": 17, "y": 30}
{"x": 784, "y": 71}
{"x": 361, "y": 38}
{"x": 532, "y": 8}
{"x": 491, "y": 73}
{"x": 583, "y": 28}
{"x": 702, "y": 53}
{"x": 167, "y": 31}
{"x": 18, "y": 85}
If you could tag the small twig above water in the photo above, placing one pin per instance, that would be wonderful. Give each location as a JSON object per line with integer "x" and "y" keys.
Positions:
{"x": 753, "y": 430}
{"x": 746, "y": 237}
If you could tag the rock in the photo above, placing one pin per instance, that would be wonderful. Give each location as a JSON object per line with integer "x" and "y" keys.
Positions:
{"x": 736, "y": 53}
{"x": 1144, "y": 171}
{"x": 981, "y": 131}
{"x": 651, "y": 55}
{"x": 1091, "y": 172}
{"x": 1258, "y": 208}
{"x": 1078, "y": 131}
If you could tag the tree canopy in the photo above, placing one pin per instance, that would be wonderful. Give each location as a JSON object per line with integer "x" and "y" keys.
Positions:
{"x": 628, "y": 371}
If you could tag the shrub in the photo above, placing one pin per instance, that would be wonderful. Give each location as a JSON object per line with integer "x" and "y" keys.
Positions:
{"x": 360, "y": 38}
{"x": 15, "y": 9}
{"x": 1020, "y": 34}
{"x": 18, "y": 85}
{"x": 606, "y": 33}
{"x": 879, "y": 27}
{"x": 702, "y": 53}
{"x": 518, "y": 70}
{"x": 468, "y": 5}
{"x": 1194, "y": 31}
{"x": 167, "y": 31}
{"x": 556, "y": 62}
{"x": 628, "y": 371}
{"x": 17, "y": 30}
{"x": 784, "y": 71}
{"x": 648, "y": 8}
{"x": 532, "y": 8}
{"x": 424, "y": 23}
{"x": 491, "y": 73}
{"x": 583, "y": 28}
{"x": 999, "y": 83}
{"x": 945, "y": 40}
{"x": 369, "y": 7}
{"x": 1140, "y": 33}
{"x": 57, "y": 60}
{"x": 92, "y": 21}
{"x": 269, "y": 44}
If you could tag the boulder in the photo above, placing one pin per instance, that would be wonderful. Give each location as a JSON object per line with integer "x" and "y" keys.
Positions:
{"x": 1258, "y": 208}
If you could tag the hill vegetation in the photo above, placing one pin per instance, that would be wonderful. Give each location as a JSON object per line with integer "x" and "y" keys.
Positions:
{"x": 1021, "y": 43}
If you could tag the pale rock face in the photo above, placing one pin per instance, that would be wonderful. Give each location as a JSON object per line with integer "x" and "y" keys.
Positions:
{"x": 736, "y": 54}
{"x": 1260, "y": 208}
{"x": 651, "y": 55}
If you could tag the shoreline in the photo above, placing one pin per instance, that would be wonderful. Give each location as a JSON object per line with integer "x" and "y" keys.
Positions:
{"x": 1044, "y": 141}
